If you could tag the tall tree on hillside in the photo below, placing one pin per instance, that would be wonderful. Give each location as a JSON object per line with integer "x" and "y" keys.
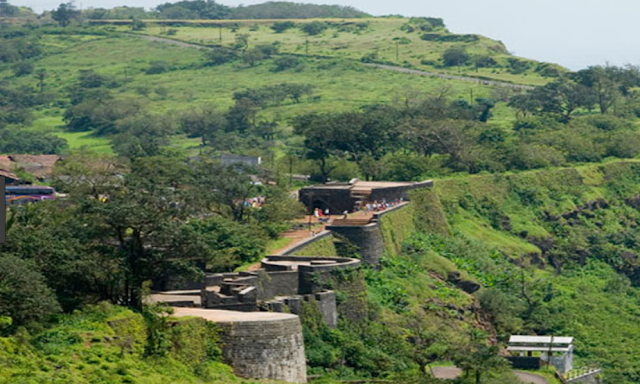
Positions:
{"x": 206, "y": 123}
{"x": 608, "y": 83}
{"x": 143, "y": 225}
{"x": 65, "y": 13}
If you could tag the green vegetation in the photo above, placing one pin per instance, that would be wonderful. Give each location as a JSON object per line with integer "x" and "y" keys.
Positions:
{"x": 392, "y": 40}
{"x": 531, "y": 227}
{"x": 110, "y": 344}
{"x": 567, "y": 229}
{"x": 323, "y": 247}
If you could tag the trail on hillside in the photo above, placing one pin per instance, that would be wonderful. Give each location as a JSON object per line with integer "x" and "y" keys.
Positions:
{"x": 452, "y": 77}
{"x": 381, "y": 66}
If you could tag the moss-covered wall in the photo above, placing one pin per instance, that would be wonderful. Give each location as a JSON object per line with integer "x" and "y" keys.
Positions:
{"x": 396, "y": 227}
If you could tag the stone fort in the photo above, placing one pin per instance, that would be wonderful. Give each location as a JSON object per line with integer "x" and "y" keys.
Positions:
{"x": 257, "y": 309}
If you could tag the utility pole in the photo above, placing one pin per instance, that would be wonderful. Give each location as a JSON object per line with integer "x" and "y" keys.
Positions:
{"x": 220, "y": 30}
{"x": 306, "y": 43}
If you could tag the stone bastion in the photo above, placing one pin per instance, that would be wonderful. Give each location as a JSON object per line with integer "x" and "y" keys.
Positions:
{"x": 258, "y": 345}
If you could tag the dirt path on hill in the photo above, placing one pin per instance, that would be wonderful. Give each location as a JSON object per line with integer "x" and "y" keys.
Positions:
{"x": 170, "y": 41}
{"x": 452, "y": 77}
{"x": 380, "y": 66}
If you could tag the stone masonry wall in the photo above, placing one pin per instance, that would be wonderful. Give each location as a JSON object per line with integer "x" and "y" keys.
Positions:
{"x": 266, "y": 349}
{"x": 367, "y": 238}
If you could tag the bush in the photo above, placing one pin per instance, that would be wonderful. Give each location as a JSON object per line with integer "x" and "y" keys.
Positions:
{"x": 314, "y": 28}
{"x": 485, "y": 62}
{"x": 455, "y": 56}
{"x": 282, "y": 26}
{"x": 369, "y": 57}
{"x": 624, "y": 144}
{"x": 219, "y": 56}
{"x": 156, "y": 67}
{"x": 286, "y": 62}
{"x": 533, "y": 156}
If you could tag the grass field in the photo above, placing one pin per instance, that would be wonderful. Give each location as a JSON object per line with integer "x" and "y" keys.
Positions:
{"x": 339, "y": 84}
{"x": 344, "y": 39}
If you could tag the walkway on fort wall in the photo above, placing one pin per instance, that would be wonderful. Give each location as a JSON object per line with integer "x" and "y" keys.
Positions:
{"x": 222, "y": 316}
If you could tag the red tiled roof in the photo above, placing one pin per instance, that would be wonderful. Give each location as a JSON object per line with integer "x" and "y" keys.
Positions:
{"x": 8, "y": 175}
{"x": 41, "y": 166}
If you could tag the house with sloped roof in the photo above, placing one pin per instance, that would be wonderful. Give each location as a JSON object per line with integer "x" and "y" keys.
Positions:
{"x": 40, "y": 166}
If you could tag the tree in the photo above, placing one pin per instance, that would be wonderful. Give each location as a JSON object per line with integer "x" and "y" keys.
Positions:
{"x": 479, "y": 359}
{"x": 602, "y": 81}
{"x": 65, "y": 13}
{"x": 242, "y": 41}
{"x": 206, "y": 123}
{"x": 562, "y": 97}
{"x": 224, "y": 189}
{"x": 455, "y": 56}
{"x": 197, "y": 9}
{"x": 314, "y": 28}
{"x": 142, "y": 135}
{"x": 24, "y": 295}
{"x": 252, "y": 56}
{"x": 241, "y": 117}
{"x": 23, "y": 141}
{"x": 89, "y": 174}
{"x": 143, "y": 225}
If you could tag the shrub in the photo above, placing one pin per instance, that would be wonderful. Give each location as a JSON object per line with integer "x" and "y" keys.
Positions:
{"x": 282, "y": 26}
{"x": 455, "y": 56}
{"x": 314, "y": 28}
{"x": 623, "y": 144}
{"x": 369, "y": 57}
{"x": 156, "y": 67}
{"x": 485, "y": 62}
{"x": 219, "y": 56}
{"x": 286, "y": 62}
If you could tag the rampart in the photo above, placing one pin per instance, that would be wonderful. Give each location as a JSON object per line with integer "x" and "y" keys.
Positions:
{"x": 380, "y": 235}
{"x": 259, "y": 345}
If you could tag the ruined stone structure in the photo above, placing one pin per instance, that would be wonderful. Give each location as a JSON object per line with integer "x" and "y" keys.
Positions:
{"x": 282, "y": 284}
{"x": 259, "y": 345}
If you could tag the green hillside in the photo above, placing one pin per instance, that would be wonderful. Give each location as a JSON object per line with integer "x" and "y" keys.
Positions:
{"x": 185, "y": 82}
{"x": 400, "y": 41}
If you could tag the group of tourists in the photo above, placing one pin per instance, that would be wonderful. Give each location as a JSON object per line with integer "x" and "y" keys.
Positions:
{"x": 381, "y": 206}
{"x": 319, "y": 214}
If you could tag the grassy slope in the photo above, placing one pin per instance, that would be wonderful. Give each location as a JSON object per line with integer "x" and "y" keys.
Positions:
{"x": 588, "y": 303}
{"x": 105, "y": 344}
{"x": 378, "y": 37}
{"x": 340, "y": 85}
